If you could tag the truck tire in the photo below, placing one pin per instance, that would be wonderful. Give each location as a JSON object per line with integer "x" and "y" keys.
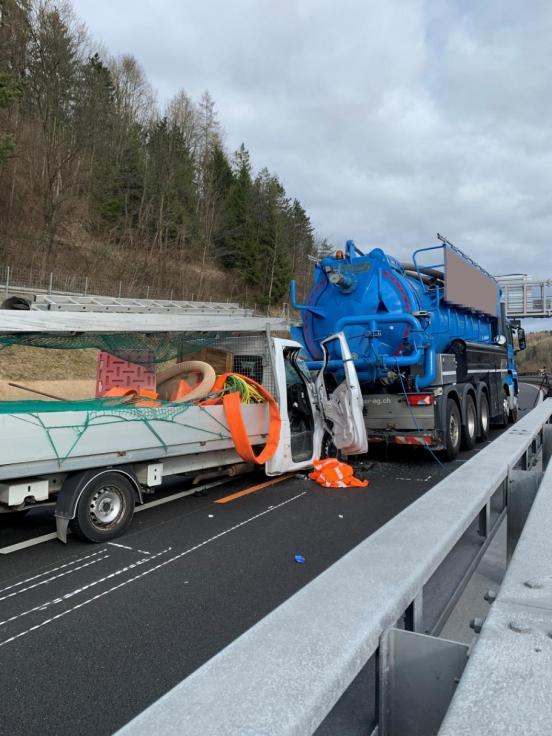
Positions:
{"x": 469, "y": 429}
{"x": 105, "y": 508}
{"x": 513, "y": 414}
{"x": 453, "y": 431}
{"x": 484, "y": 419}
{"x": 502, "y": 419}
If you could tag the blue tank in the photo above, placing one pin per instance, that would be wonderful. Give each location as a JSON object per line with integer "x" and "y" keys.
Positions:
{"x": 394, "y": 316}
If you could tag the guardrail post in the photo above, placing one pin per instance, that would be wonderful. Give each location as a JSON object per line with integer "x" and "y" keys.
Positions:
{"x": 51, "y": 282}
{"x": 147, "y": 292}
{"x": 522, "y": 489}
{"x": 120, "y": 288}
{"x": 86, "y": 286}
{"x": 546, "y": 444}
{"x": 414, "y": 614}
{"x": 485, "y": 520}
{"x": 7, "y": 281}
{"x": 419, "y": 675}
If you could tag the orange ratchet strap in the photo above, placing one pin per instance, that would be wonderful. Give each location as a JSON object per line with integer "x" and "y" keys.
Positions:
{"x": 233, "y": 413}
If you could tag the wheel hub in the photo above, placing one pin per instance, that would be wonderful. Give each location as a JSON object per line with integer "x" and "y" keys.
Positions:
{"x": 106, "y": 506}
{"x": 484, "y": 417}
{"x": 471, "y": 421}
{"x": 453, "y": 430}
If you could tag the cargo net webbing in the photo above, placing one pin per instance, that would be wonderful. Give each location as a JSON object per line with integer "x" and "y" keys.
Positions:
{"x": 100, "y": 412}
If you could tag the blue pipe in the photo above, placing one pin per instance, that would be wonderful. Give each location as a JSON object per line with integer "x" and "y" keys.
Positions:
{"x": 383, "y": 317}
{"x": 399, "y": 360}
{"x": 430, "y": 369}
{"x": 333, "y": 365}
{"x": 396, "y": 361}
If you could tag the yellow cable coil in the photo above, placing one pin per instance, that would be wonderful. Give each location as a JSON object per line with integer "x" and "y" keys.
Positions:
{"x": 248, "y": 393}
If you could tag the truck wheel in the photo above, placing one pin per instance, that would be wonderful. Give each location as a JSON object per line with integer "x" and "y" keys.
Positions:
{"x": 469, "y": 429}
{"x": 484, "y": 418}
{"x": 105, "y": 509}
{"x": 513, "y": 414}
{"x": 453, "y": 433}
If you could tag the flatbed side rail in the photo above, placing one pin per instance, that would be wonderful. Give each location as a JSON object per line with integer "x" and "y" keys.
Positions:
{"x": 285, "y": 674}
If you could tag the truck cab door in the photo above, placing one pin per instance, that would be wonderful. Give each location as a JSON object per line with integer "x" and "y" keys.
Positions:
{"x": 343, "y": 406}
{"x": 303, "y": 425}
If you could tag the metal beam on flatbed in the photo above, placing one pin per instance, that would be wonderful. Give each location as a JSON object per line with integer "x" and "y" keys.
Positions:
{"x": 68, "y": 303}
{"x": 15, "y": 321}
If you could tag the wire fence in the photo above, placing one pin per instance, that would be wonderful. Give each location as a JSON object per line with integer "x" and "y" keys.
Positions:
{"x": 14, "y": 280}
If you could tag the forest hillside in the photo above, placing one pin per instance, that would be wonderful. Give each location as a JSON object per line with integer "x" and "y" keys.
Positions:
{"x": 98, "y": 179}
{"x": 538, "y": 353}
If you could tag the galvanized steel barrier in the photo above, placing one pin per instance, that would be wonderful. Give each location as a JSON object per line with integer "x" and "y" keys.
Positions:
{"x": 506, "y": 687}
{"x": 284, "y": 675}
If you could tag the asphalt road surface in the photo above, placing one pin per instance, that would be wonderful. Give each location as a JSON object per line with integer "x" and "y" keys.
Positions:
{"x": 92, "y": 634}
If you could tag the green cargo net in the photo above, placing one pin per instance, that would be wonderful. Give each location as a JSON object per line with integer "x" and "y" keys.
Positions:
{"x": 158, "y": 347}
{"x": 86, "y": 414}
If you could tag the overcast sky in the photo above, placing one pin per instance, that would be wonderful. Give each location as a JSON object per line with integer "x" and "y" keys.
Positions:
{"x": 388, "y": 120}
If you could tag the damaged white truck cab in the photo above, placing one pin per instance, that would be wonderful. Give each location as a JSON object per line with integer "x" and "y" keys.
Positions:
{"x": 313, "y": 419}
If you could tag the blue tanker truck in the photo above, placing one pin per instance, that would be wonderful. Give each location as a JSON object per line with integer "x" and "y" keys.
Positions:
{"x": 434, "y": 352}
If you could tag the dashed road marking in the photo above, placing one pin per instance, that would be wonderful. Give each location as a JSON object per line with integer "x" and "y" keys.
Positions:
{"x": 73, "y": 593}
{"x": 132, "y": 549}
{"x": 51, "y": 570}
{"x": 122, "y": 546}
{"x": 55, "y": 577}
{"x": 147, "y": 572}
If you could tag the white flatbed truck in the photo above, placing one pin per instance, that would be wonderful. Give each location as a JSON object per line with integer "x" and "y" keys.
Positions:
{"x": 96, "y": 465}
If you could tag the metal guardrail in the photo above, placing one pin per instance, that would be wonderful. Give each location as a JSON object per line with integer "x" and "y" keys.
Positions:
{"x": 505, "y": 688}
{"x": 285, "y": 674}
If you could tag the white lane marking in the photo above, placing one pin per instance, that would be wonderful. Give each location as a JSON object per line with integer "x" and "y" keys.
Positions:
{"x": 531, "y": 385}
{"x": 122, "y": 546}
{"x": 71, "y": 594}
{"x": 54, "y": 577}
{"x": 182, "y": 494}
{"x": 28, "y": 543}
{"x": 146, "y": 572}
{"x": 51, "y": 570}
{"x": 132, "y": 549}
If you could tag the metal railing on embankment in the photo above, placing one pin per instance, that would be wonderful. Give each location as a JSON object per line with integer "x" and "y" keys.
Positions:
{"x": 36, "y": 281}
{"x": 31, "y": 282}
{"x": 285, "y": 674}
